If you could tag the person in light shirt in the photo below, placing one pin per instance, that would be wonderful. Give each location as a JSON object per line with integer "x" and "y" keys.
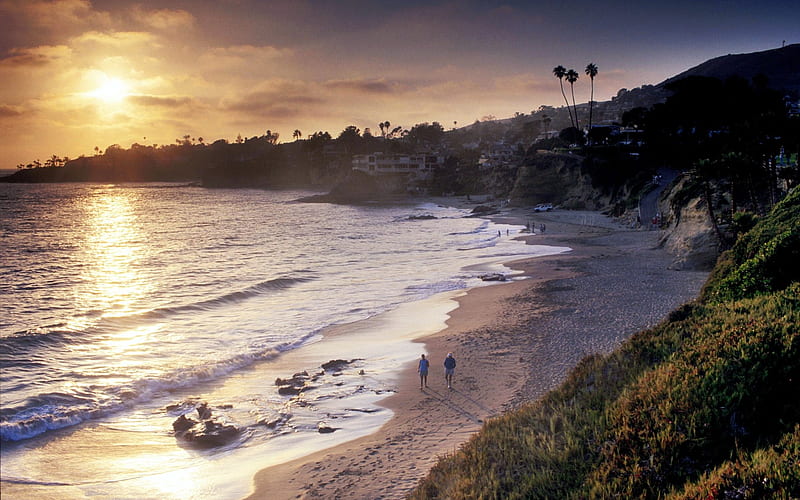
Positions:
{"x": 423, "y": 371}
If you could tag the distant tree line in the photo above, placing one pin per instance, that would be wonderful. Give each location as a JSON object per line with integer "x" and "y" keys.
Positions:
{"x": 727, "y": 134}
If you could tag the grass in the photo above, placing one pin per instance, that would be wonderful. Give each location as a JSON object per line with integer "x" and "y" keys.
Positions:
{"x": 705, "y": 405}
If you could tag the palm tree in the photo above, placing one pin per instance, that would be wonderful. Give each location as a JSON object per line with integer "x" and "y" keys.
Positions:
{"x": 572, "y": 77}
{"x": 560, "y": 71}
{"x": 297, "y": 134}
{"x": 591, "y": 70}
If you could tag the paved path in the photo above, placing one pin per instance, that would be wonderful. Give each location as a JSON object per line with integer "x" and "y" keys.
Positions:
{"x": 648, "y": 205}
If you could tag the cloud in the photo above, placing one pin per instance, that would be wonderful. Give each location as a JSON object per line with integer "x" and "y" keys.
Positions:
{"x": 251, "y": 57}
{"x": 277, "y": 99}
{"x": 525, "y": 83}
{"x": 8, "y": 111}
{"x": 267, "y": 104}
{"x": 116, "y": 39}
{"x": 158, "y": 101}
{"x": 55, "y": 14}
{"x": 47, "y": 22}
{"x": 34, "y": 56}
{"x": 369, "y": 86}
{"x": 163, "y": 19}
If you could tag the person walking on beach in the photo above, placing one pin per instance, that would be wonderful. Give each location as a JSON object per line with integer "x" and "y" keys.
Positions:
{"x": 423, "y": 371}
{"x": 449, "y": 369}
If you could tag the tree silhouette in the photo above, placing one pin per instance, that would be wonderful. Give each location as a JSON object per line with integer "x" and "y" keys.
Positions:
{"x": 560, "y": 71}
{"x": 350, "y": 138}
{"x": 297, "y": 134}
{"x": 591, "y": 70}
{"x": 572, "y": 76}
{"x": 546, "y": 122}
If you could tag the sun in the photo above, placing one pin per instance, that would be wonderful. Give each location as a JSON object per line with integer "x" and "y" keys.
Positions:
{"x": 111, "y": 90}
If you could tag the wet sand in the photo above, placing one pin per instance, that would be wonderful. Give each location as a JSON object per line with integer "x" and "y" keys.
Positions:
{"x": 513, "y": 343}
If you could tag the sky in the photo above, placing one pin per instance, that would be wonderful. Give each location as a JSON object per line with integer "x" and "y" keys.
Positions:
{"x": 76, "y": 75}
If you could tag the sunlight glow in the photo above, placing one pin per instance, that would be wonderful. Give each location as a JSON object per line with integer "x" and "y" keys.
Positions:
{"x": 111, "y": 90}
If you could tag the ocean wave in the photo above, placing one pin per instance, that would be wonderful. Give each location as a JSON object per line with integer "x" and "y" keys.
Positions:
{"x": 479, "y": 244}
{"x": 229, "y": 298}
{"x": 480, "y": 229}
{"x": 61, "y": 333}
{"x": 53, "y": 411}
{"x": 429, "y": 289}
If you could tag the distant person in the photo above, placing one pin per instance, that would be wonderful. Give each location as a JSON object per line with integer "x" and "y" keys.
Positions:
{"x": 423, "y": 371}
{"x": 449, "y": 369}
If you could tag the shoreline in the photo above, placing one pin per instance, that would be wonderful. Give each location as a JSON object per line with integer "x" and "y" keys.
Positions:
{"x": 513, "y": 343}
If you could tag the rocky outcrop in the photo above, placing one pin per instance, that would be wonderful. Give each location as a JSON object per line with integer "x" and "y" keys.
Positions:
{"x": 492, "y": 277}
{"x": 359, "y": 187}
{"x": 483, "y": 210}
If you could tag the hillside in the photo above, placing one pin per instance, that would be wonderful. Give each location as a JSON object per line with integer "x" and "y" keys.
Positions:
{"x": 780, "y": 66}
{"x": 702, "y": 406}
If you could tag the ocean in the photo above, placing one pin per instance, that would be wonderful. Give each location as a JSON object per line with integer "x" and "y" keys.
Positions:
{"x": 125, "y": 306}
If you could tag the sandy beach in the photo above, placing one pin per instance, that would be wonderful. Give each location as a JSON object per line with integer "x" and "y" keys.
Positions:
{"x": 513, "y": 342}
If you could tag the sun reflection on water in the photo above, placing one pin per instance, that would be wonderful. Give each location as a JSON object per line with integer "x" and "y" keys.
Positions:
{"x": 114, "y": 245}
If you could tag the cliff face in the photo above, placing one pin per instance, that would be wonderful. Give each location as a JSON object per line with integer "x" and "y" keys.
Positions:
{"x": 688, "y": 235}
{"x": 555, "y": 178}
{"x": 566, "y": 180}
{"x": 561, "y": 180}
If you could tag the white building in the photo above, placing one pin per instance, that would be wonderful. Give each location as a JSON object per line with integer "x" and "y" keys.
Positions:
{"x": 416, "y": 166}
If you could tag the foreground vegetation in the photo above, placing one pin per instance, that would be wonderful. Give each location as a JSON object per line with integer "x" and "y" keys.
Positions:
{"x": 705, "y": 405}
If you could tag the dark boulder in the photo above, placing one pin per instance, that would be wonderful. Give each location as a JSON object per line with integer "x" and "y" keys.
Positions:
{"x": 208, "y": 432}
{"x": 335, "y": 365}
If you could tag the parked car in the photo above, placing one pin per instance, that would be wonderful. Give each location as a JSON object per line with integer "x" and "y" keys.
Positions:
{"x": 543, "y": 207}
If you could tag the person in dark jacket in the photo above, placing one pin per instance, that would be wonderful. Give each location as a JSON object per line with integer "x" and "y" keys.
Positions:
{"x": 449, "y": 369}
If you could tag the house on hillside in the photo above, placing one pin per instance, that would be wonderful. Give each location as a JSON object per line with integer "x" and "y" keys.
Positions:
{"x": 413, "y": 166}
{"x": 499, "y": 154}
